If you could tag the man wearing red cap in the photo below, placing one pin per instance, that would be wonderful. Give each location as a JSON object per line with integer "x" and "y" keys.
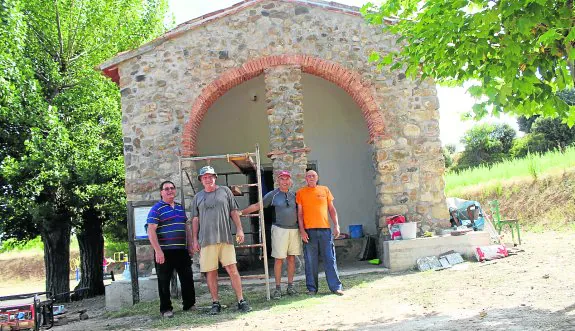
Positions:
{"x": 286, "y": 241}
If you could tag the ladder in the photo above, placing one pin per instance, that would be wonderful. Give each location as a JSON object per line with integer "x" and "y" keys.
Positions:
{"x": 245, "y": 163}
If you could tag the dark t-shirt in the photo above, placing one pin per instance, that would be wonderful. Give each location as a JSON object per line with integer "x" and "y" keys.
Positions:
{"x": 284, "y": 206}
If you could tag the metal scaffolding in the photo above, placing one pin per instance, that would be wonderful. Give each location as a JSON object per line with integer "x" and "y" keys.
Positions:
{"x": 244, "y": 162}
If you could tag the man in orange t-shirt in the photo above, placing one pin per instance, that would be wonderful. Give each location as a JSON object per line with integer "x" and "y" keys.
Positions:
{"x": 314, "y": 202}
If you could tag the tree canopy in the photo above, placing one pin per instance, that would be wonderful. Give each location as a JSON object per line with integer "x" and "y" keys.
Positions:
{"x": 486, "y": 144}
{"x": 519, "y": 54}
{"x": 64, "y": 167}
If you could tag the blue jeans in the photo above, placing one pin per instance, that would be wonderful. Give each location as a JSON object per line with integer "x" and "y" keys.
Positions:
{"x": 320, "y": 241}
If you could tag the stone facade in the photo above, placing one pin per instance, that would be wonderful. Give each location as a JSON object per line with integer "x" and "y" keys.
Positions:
{"x": 168, "y": 86}
{"x": 284, "y": 101}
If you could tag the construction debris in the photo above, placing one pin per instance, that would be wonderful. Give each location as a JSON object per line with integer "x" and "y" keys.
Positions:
{"x": 444, "y": 261}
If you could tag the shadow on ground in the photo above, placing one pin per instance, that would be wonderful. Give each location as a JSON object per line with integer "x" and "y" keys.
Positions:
{"x": 509, "y": 319}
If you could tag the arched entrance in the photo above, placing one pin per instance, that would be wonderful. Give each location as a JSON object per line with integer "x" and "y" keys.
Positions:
{"x": 349, "y": 81}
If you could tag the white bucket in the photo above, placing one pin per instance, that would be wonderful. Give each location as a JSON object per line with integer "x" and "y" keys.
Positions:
{"x": 408, "y": 230}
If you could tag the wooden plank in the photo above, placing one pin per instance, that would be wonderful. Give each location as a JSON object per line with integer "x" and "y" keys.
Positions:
{"x": 244, "y": 164}
{"x": 262, "y": 276}
{"x": 250, "y": 246}
{"x": 246, "y": 185}
{"x": 250, "y": 215}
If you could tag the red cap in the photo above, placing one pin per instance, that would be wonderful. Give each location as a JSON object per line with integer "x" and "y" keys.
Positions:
{"x": 284, "y": 173}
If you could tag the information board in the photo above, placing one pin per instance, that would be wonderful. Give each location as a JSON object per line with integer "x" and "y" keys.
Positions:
{"x": 140, "y": 217}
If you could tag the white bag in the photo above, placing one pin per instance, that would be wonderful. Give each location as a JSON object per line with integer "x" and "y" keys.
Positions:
{"x": 487, "y": 253}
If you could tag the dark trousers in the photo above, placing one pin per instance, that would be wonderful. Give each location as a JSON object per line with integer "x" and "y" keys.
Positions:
{"x": 179, "y": 260}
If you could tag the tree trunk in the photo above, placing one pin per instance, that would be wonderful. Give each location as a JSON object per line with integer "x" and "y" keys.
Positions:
{"x": 91, "y": 242}
{"x": 56, "y": 239}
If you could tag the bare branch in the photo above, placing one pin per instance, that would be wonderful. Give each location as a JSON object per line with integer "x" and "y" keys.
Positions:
{"x": 60, "y": 38}
{"x": 88, "y": 51}
{"x": 43, "y": 42}
{"x": 73, "y": 34}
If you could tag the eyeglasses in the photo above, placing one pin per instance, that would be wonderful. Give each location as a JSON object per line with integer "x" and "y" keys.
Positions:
{"x": 171, "y": 188}
{"x": 287, "y": 201}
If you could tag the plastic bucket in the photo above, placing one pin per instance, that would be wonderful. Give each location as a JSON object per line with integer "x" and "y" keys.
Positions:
{"x": 408, "y": 230}
{"x": 356, "y": 231}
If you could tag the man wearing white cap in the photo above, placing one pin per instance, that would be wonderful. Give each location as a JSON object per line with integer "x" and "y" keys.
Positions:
{"x": 212, "y": 235}
{"x": 286, "y": 241}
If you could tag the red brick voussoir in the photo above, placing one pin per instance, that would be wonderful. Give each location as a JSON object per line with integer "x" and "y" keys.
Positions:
{"x": 348, "y": 80}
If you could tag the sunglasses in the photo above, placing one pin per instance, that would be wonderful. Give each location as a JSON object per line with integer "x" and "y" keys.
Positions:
{"x": 287, "y": 201}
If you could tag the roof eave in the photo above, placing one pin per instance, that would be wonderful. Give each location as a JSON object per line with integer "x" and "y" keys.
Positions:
{"x": 109, "y": 66}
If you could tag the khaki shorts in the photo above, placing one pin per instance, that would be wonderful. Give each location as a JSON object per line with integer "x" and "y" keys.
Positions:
{"x": 285, "y": 242}
{"x": 212, "y": 254}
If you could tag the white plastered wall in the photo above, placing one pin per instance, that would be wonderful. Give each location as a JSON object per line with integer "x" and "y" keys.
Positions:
{"x": 335, "y": 130}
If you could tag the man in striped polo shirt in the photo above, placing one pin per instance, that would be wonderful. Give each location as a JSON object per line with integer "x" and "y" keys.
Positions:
{"x": 167, "y": 234}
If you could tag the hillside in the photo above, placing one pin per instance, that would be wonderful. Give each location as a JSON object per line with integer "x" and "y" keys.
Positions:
{"x": 542, "y": 204}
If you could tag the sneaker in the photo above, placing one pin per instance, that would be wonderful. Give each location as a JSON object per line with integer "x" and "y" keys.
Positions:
{"x": 244, "y": 307}
{"x": 168, "y": 314}
{"x": 311, "y": 293}
{"x": 291, "y": 290}
{"x": 338, "y": 292}
{"x": 277, "y": 294}
{"x": 216, "y": 308}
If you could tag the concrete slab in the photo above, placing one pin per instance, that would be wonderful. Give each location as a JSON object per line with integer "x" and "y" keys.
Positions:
{"x": 401, "y": 255}
{"x": 119, "y": 293}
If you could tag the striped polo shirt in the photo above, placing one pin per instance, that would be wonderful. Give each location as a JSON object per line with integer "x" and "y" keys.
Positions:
{"x": 171, "y": 223}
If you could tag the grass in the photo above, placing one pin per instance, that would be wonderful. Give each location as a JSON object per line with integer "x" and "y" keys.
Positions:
{"x": 255, "y": 294}
{"x": 531, "y": 166}
{"x": 37, "y": 246}
{"x": 13, "y": 245}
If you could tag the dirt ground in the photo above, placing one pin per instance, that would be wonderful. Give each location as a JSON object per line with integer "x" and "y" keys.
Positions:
{"x": 532, "y": 290}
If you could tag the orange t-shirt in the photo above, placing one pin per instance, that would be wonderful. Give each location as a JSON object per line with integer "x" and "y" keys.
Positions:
{"x": 314, "y": 201}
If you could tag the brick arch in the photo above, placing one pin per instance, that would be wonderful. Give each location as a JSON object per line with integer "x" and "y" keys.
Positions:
{"x": 348, "y": 80}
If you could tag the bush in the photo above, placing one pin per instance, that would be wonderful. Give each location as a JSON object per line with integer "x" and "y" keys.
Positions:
{"x": 12, "y": 244}
{"x": 530, "y": 143}
{"x": 110, "y": 247}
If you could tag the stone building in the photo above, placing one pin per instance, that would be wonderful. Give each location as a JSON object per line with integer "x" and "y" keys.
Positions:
{"x": 294, "y": 77}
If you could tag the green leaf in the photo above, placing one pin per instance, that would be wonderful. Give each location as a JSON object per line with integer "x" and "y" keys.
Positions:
{"x": 549, "y": 37}
{"x": 512, "y": 47}
{"x": 387, "y": 59}
{"x": 571, "y": 36}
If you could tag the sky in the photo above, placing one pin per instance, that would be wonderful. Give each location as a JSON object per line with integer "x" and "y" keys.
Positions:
{"x": 452, "y": 101}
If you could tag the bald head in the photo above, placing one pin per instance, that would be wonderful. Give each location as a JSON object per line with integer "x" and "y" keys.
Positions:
{"x": 311, "y": 178}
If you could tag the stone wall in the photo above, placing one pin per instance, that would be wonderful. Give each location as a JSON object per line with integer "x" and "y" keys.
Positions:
{"x": 285, "y": 115}
{"x": 168, "y": 86}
